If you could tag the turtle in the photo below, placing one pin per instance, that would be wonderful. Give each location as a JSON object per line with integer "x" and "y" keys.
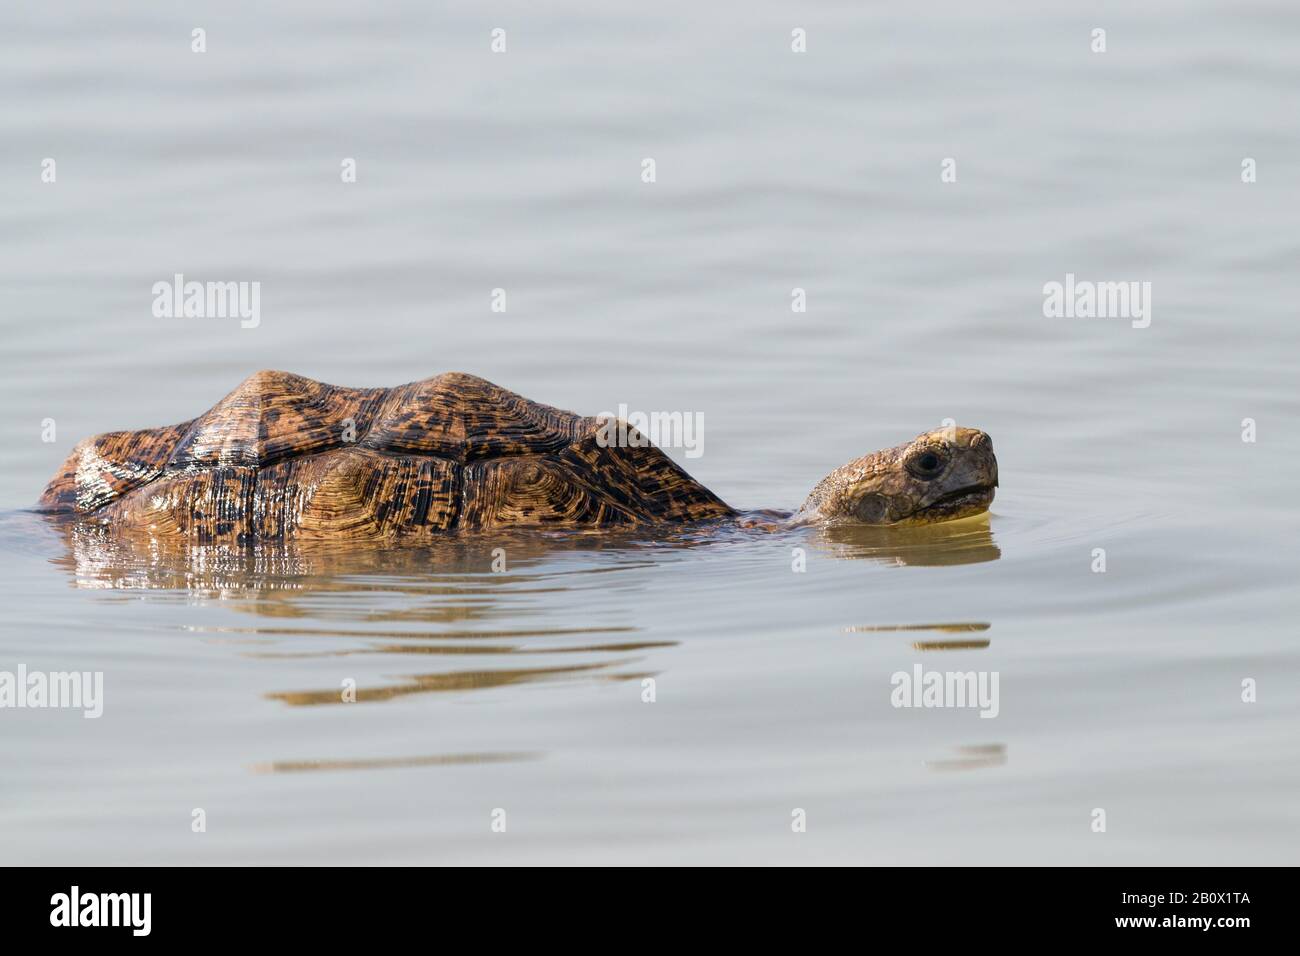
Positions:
{"x": 287, "y": 457}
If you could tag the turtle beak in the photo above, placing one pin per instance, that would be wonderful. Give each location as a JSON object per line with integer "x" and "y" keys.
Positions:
{"x": 984, "y": 443}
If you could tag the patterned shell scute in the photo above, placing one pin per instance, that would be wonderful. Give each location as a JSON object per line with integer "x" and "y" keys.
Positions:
{"x": 357, "y": 494}
{"x": 211, "y": 505}
{"x": 640, "y": 478}
{"x": 464, "y": 418}
{"x": 275, "y": 415}
{"x": 103, "y": 468}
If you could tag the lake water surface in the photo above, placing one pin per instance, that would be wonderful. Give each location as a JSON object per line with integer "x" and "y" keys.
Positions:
{"x": 523, "y": 690}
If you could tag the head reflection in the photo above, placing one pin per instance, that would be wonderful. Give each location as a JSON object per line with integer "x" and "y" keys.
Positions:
{"x": 969, "y": 541}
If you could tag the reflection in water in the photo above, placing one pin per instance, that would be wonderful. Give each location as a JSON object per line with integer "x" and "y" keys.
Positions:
{"x": 457, "y": 570}
{"x": 444, "y": 598}
{"x": 433, "y": 683}
{"x": 969, "y": 644}
{"x": 973, "y": 758}
{"x": 439, "y": 635}
{"x": 968, "y": 541}
{"x": 384, "y": 763}
{"x": 474, "y": 649}
{"x": 449, "y": 581}
{"x": 957, "y": 627}
{"x": 950, "y": 645}
{"x": 384, "y": 607}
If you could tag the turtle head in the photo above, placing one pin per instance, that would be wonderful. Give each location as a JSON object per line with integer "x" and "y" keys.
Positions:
{"x": 938, "y": 476}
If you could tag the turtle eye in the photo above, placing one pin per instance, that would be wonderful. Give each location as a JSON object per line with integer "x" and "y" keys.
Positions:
{"x": 926, "y": 465}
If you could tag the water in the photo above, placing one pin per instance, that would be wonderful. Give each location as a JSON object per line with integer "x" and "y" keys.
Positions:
{"x": 523, "y": 690}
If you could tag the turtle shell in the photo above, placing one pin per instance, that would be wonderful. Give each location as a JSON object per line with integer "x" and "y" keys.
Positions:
{"x": 283, "y": 456}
